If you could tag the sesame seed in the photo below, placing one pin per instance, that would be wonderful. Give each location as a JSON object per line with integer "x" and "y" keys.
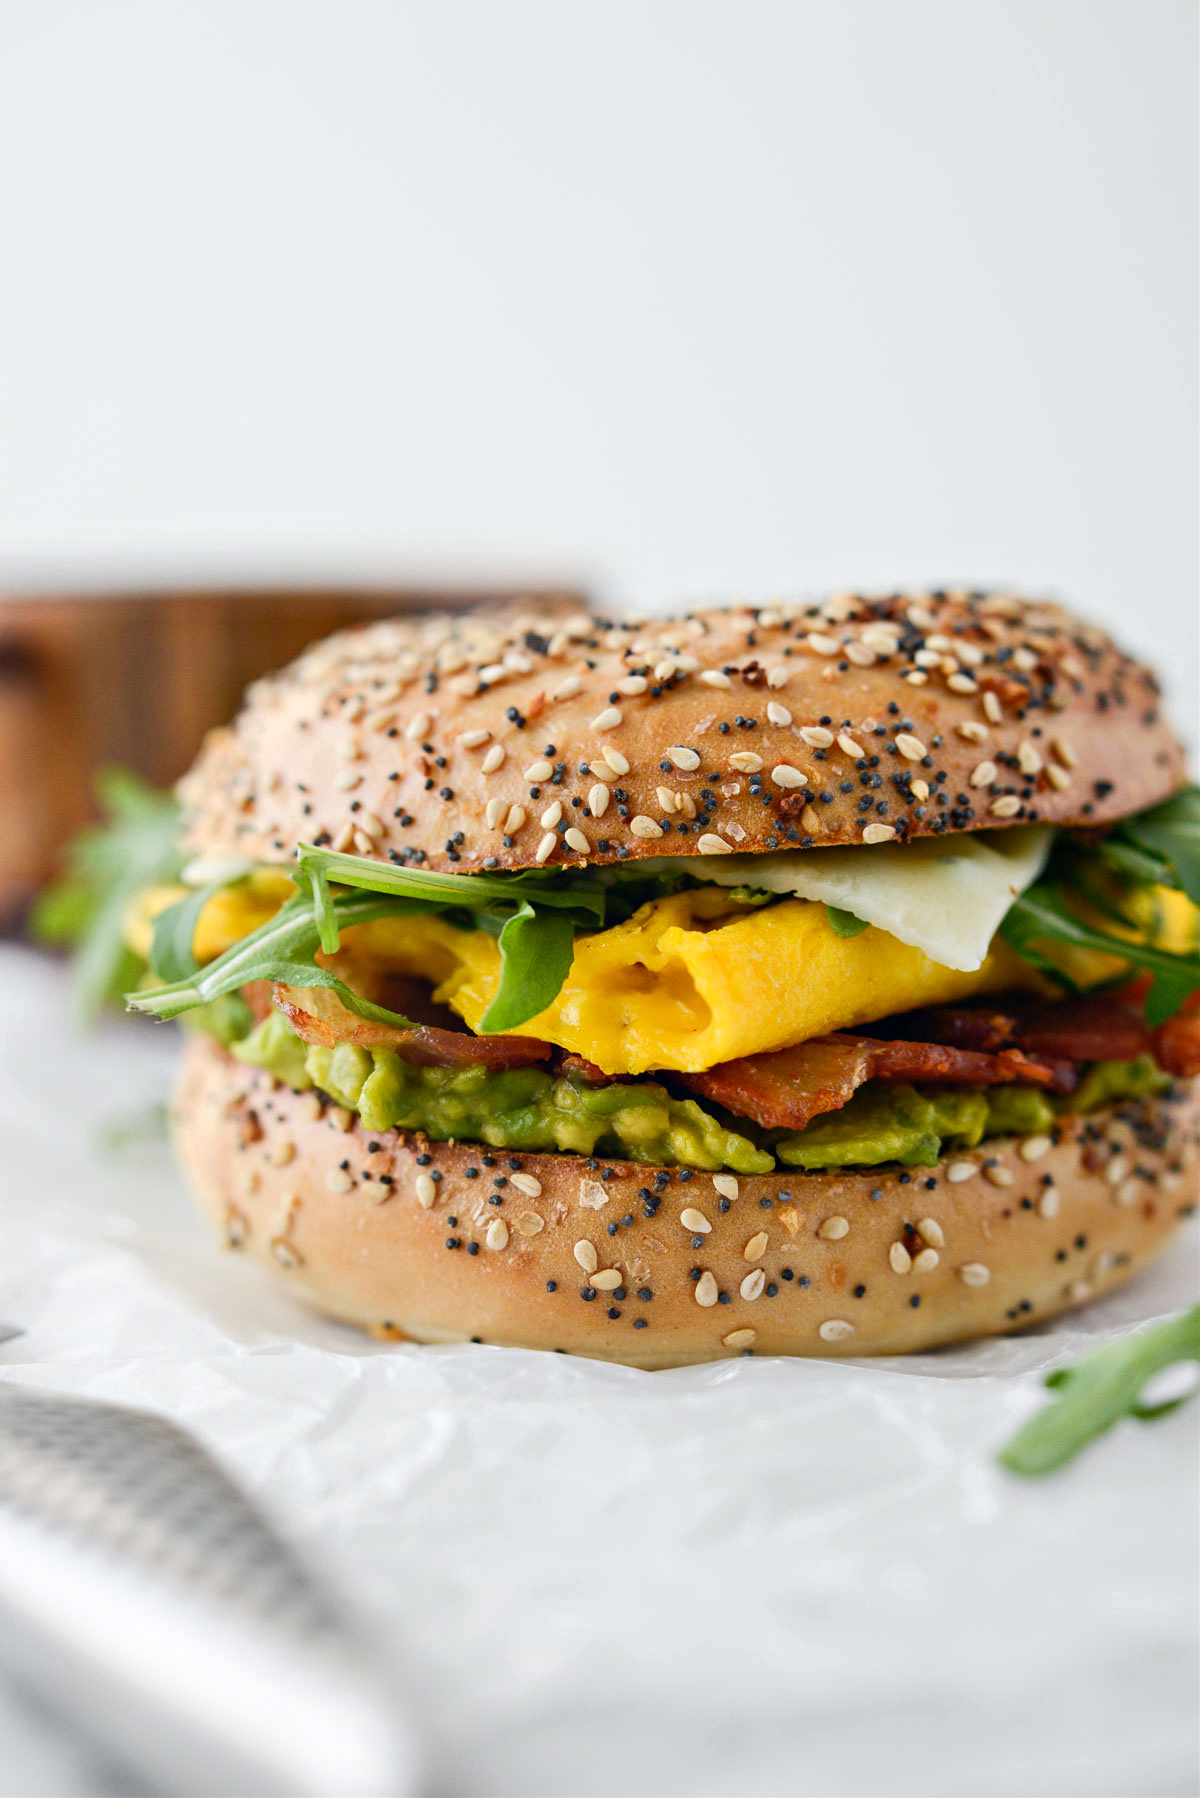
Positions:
{"x": 778, "y": 714}
{"x": 527, "y": 1184}
{"x": 983, "y": 774}
{"x": 822, "y": 645}
{"x": 751, "y": 1287}
{"x": 515, "y": 819}
{"x": 737, "y": 1339}
{"x": 530, "y": 1223}
{"x": 694, "y": 1220}
{"x": 347, "y": 780}
{"x": 709, "y": 844}
{"x": 585, "y": 1254}
{"x": 575, "y": 839}
{"x": 712, "y": 677}
{"x": 471, "y": 739}
{"x": 551, "y": 815}
{"x": 816, "y": 736}
{"x": 726, "y": 1185}
{"x": 973, "y": 731}
{"x": 1058, "y": 777}
{"x": 497, "y": 1234}
{"x": 961, "y": 1170}
{"x": 598, "y": 797}
{"x": 539, "y": 770}
{"x": 848, "y": 746}
{"x": 991, "y": 708}
{"x": 285, "y": 1252}
{"x": 1048, "y": 1202}
{"x": 919, "y": 789}
{"x": 910, "y": 747}
{"x": 338, "y": 1180}
{"x": 833, "y": 1229}
{"x": 494, "y": 811}
{"x": 1034, "y": 1147}
{"x": 1127, "y": 1191}
{"x": 925, "y": 1261}
{"x": 861, "y": 654}
{"x": 608, "y": 719}
{"x": 745, "y": 762}
{"x": 777, "y": 677}
{"x": 784, "y": 775}
{"x": 1116, "y": 1170}
{"x": 493, "y": 759}
{"x": 418, "y": 726}
{"x": 1066, "y": 755}
{"x": 974, "y": 1273}
{"x": 999, "y": 1176}
{"x": 616, "y": 761}
{"x": 707, "y": 1291}
{"x": 756, "y": 1247}
{"x": 545, "y": 848}
{"x": 962, "y": 683}
{"x": 641, "y": 826}
{"x": 899, "y": 1258}
{"x": 426, "y": 1190}
{"x": 567, "y": 689}
{"x": 1028, "y": 759}
{"x": 607, "y": 1280}
{"x": 632, "y": 684}
{"x": 683, "y": 758}
{"x": 1007, "y": 806}
{"x": 930, "y": 1231}
{"x": 878, "y": 833}
{"x": 835, "y": 1329}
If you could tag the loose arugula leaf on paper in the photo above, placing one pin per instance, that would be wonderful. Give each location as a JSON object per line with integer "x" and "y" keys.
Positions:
{"x": 1095, "y": 1393}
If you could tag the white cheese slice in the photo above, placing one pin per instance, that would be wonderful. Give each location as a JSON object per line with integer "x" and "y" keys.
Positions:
{"x": 945, "y": 895}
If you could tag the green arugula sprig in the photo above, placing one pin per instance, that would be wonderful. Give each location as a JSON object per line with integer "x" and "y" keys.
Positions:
{"x": 1098, "y": 1391}
{"x": 1159, "y": 847}
{"x": 106, "y": 866}
{"x": 534, "y": 915}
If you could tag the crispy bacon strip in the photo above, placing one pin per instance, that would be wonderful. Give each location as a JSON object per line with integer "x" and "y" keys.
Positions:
{"x": 1100, "y": 1027}
{"x": 317, "y": 1015}
{"x": 785, "y": 1090}
{"x": 789, "y": 1088}
{"x": 1177, "y": 1042}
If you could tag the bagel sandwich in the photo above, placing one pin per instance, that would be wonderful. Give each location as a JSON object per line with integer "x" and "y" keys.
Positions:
{"x": 803, "y": 979}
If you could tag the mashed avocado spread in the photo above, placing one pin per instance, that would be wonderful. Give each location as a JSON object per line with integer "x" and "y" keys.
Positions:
{"x": 529, "y": 1108}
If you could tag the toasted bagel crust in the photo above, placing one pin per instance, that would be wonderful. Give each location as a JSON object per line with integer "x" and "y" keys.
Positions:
{"x": 514, "y": 742}
{"x": 402, "y": 1235}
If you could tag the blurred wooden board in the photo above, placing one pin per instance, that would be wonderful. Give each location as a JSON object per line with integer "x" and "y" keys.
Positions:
{"x": 137, "y": 679}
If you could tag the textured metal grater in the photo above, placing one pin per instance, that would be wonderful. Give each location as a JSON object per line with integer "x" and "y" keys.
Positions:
{"x": 145, "y": 1597}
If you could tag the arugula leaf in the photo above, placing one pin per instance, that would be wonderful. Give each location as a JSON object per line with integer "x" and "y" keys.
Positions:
{"x": 283, "y": 950}
{"x": 134, "y": 847}
{"x": 1041, "y": 915}
{"x": 171, "y": 954}
{"x": 844, "y": 923}
{"x": 1098, "y": 1391}
{"x": 536, "y": 950}
{"x": 1165, "y": 838}
{"x": 561, "y": 889}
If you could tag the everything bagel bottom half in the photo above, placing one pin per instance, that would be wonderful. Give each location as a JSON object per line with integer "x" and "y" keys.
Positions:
{"x": 658, "y": 1267}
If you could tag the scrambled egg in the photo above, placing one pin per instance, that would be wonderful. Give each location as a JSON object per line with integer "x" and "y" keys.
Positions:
{"x": 688, "y": 981}
{"x": 692, "y": 979}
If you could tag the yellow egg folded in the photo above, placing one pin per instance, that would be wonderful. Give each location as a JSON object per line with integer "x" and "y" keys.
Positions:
{"x": 693, "y": 979}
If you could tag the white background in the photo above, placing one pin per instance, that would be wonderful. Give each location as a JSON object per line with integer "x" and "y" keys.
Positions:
{"x": 691, "y": 299}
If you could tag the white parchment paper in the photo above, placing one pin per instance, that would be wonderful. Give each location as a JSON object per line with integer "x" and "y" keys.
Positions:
{"x": 755, "y": 1578}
